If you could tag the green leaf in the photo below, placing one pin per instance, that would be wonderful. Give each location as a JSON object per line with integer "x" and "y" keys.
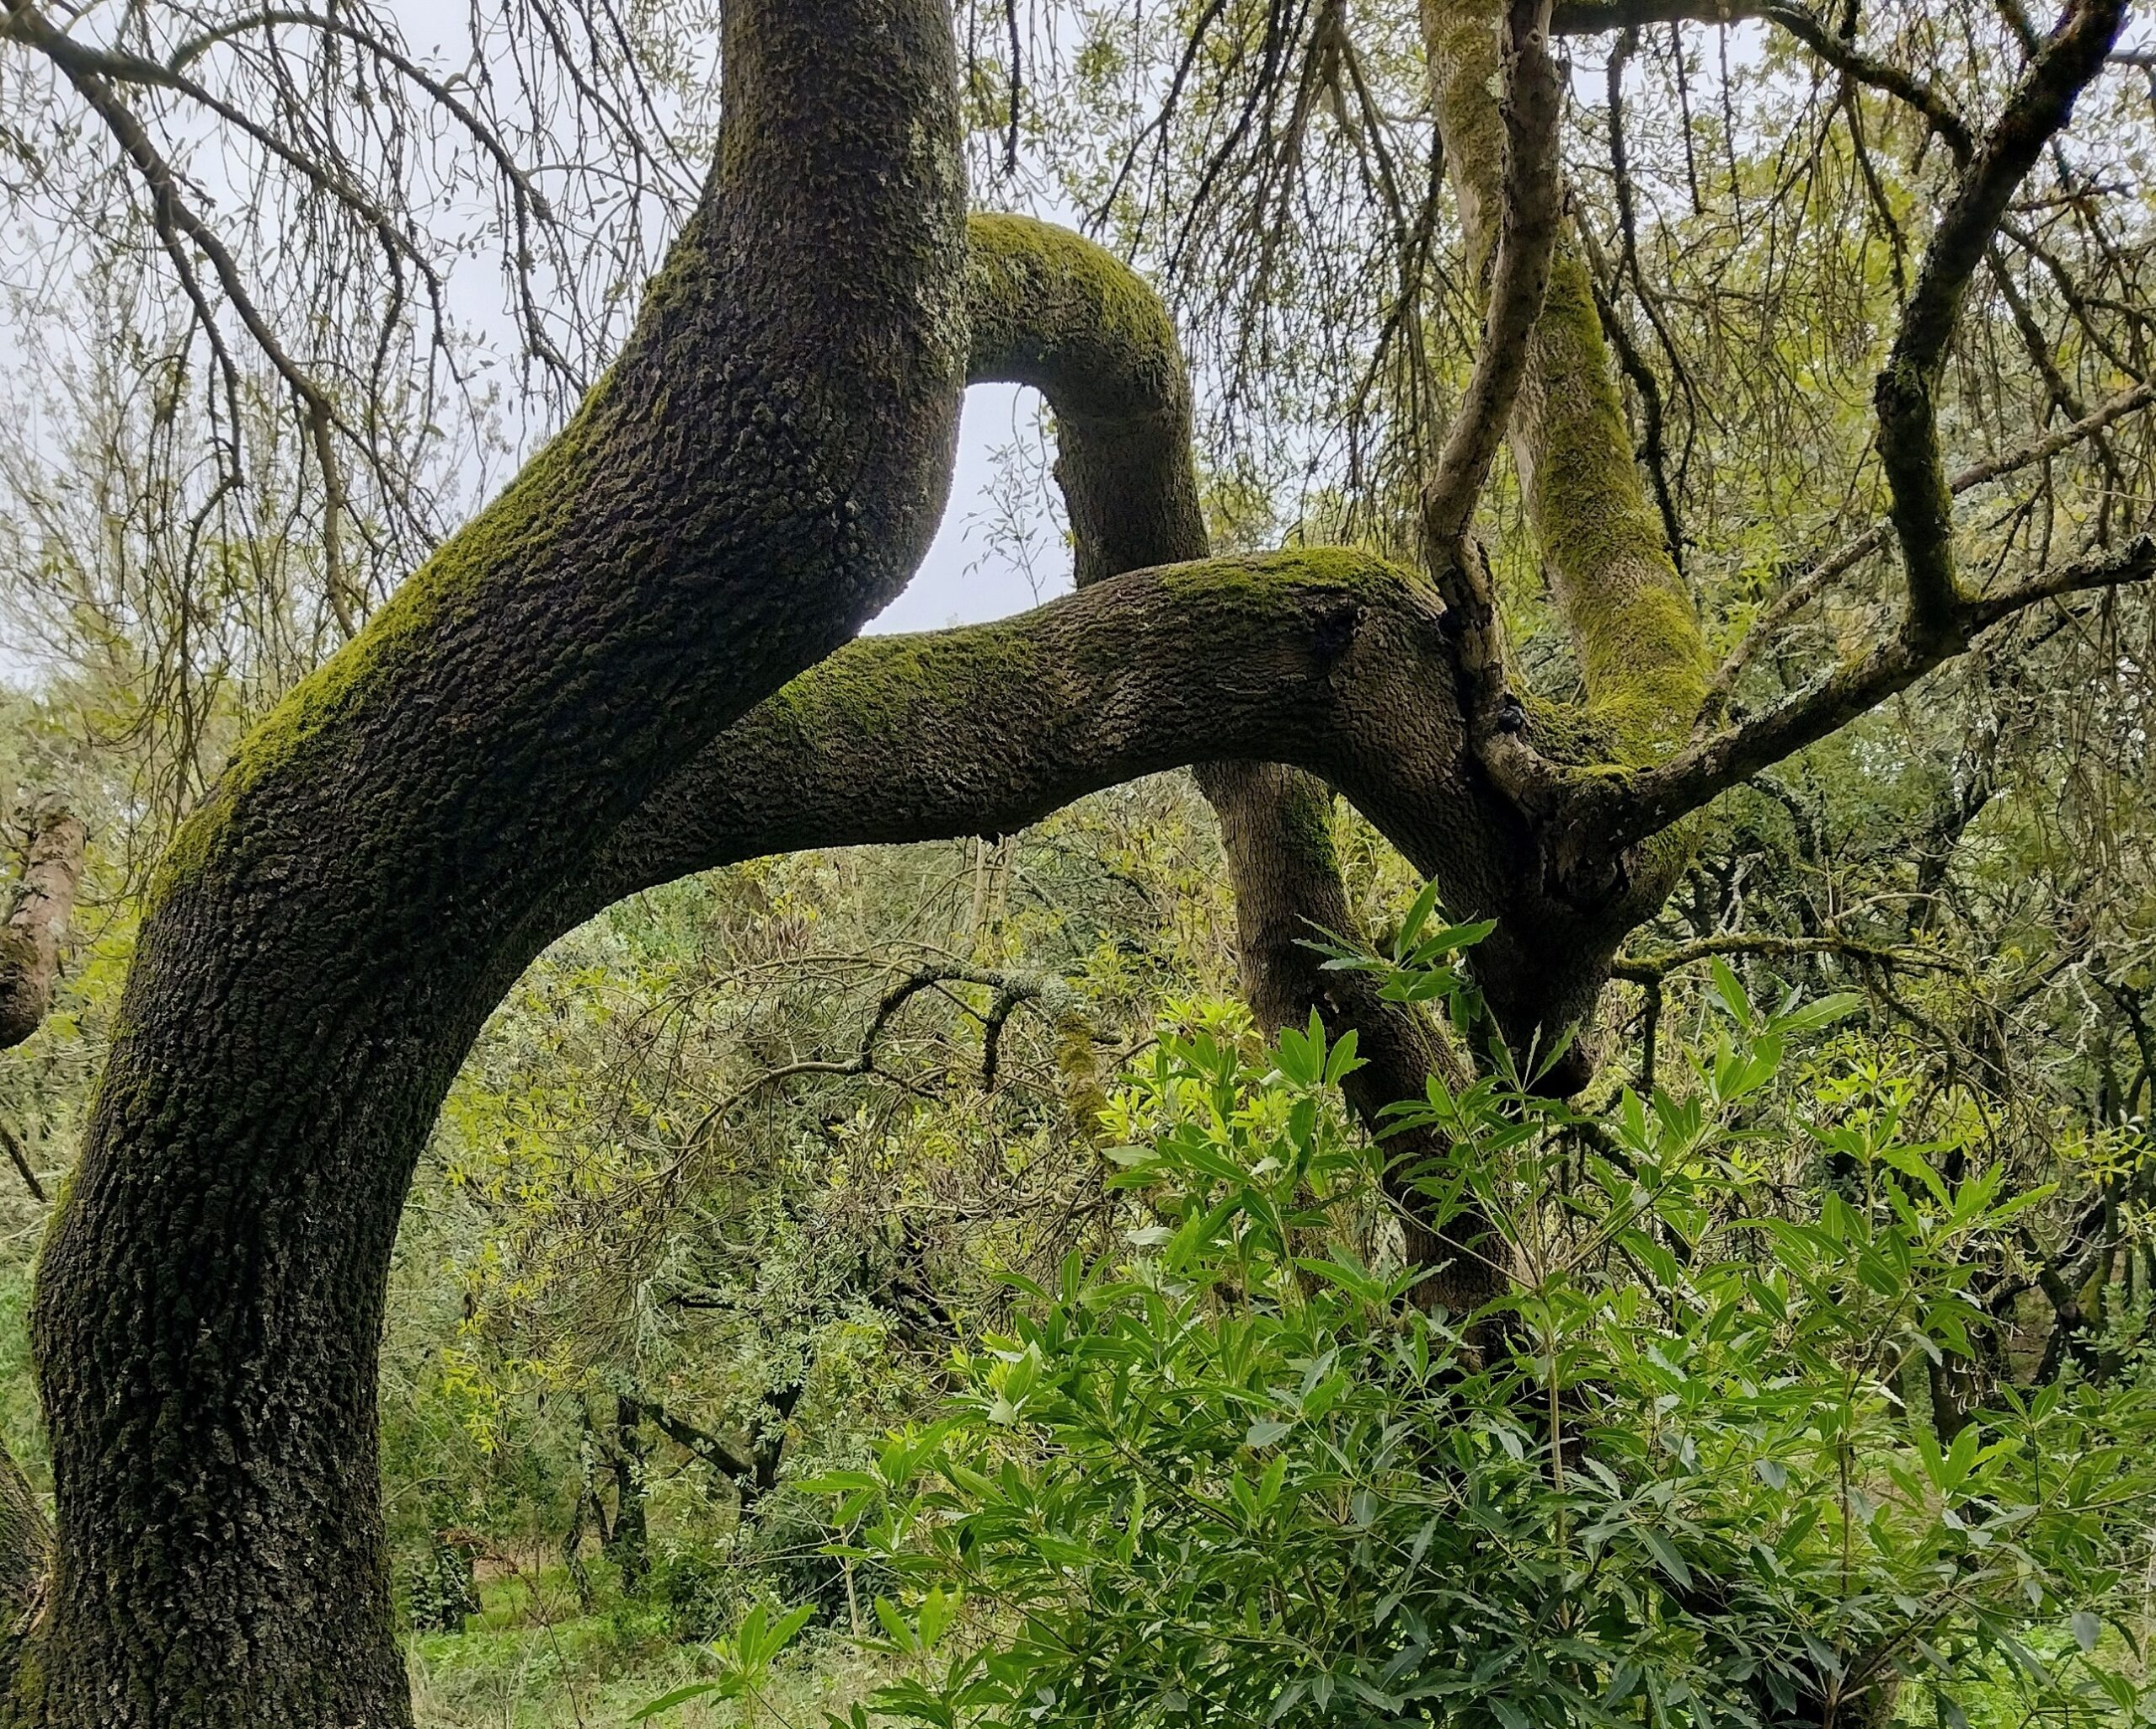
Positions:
{"x": 1666, "y": 1557}
{"x": 680, "y": 1695}
{"x": 1730, "y": 991}
{"x": 781, "y": 1636}
{"x": 1418, "y": 915}
{"x": 1825, "y": 1011}
{"x": 1265, "y": 1431}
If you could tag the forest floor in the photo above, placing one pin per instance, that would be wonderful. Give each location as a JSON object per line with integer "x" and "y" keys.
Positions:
{"x": 526, "y": 1664}
{"x": 521, "y": 1663}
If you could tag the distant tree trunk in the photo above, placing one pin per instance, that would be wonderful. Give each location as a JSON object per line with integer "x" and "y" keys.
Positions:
{"x": 29, "y": 939}
{"x": 447, "y": 1591}
{"x": 25, "y": 1575}
{"x": 757, "y": 474}
{"x": 628, "y": 1543}
{"x": 767, "y": 1450}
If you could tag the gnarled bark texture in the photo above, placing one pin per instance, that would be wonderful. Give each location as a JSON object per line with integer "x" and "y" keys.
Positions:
{"x": 757, "y": 474}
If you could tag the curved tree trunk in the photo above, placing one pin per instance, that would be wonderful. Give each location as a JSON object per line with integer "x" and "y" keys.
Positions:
{"x": 1059, "y": 313}
{"x": 526, "y": 726}
{"x": 757, "y": 474}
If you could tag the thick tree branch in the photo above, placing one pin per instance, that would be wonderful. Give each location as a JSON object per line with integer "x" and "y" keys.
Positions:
{"x": 1052, "y": 310}
{"x": 1338, "y": 661}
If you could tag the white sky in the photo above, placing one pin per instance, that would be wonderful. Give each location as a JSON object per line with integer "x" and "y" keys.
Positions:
{"x": 964, "y": 579}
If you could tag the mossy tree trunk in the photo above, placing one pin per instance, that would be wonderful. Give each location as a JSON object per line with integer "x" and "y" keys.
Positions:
{"x": 628, "y": 1544}
{"x": 1076, "y": 324}
{"x": 1610, "y": 567}
{"x": 756, "y": 476}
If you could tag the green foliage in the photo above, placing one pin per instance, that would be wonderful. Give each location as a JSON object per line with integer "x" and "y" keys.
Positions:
{"x": 744, "y": 1659}
{"x": 1229, "y": 1476}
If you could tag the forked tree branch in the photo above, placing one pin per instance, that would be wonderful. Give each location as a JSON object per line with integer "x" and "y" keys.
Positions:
{"x": 1853, "y": 552}
{"x": 1940, "y": 620}
{"x": 1649, "y": 802}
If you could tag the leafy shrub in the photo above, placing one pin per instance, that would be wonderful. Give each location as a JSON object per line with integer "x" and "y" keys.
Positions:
{"x": 1678, "y": 1474}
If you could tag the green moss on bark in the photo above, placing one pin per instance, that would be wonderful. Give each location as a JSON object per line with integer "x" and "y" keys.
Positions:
{"x": 876, "y": 692}
{"x": 1625, "y": 606}
{"x": 1052, "y": 309}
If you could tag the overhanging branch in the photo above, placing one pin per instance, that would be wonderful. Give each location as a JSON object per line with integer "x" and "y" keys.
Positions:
{"x": 1651, "y": 801}
{"x": 1823, "y": 574}
{"x": 1941, "y": 620}
{"x": 1329, "y": 659}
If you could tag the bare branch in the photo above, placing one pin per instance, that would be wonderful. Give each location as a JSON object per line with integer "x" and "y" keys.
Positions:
{"x": 171, "y": 211}
{"x": 1652, "y": 969}
{"x": 1658, "y": 796}
{"x": 1908, "y": 428}
{"x": 1518, "y": 276}
{"x": 1845, "y": 558}
{"x": 1847, "y": 58}
{"x": 20, "y": 1160}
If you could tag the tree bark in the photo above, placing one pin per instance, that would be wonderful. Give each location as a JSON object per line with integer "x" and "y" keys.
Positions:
{"x": 985, "y": 730}
{"x": 628, "y": 1542}
{"x": 1627, "y": 610}
{"x": 756, "y": 476}
{"x": 1055, "y": 311}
